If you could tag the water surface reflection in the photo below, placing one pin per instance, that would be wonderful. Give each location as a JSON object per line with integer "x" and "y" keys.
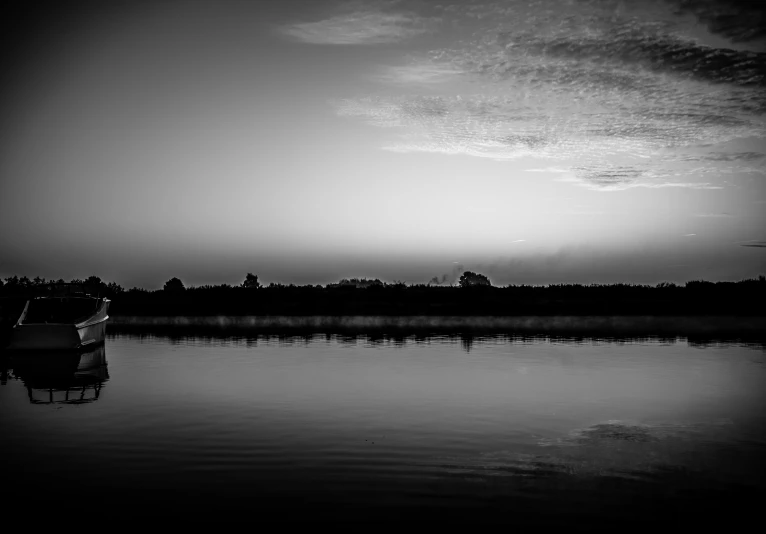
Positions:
{"x": 58, "y": 377}
{"x": 531, "y": 431}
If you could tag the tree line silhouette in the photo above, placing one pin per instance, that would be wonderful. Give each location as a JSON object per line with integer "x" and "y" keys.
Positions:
{"x": 472, "y": 295}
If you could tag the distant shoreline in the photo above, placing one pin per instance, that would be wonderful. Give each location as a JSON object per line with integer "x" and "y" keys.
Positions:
{"x": 563, "y": 324}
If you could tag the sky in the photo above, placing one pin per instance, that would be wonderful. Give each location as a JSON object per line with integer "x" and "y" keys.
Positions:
{"x": 535, "y": 141}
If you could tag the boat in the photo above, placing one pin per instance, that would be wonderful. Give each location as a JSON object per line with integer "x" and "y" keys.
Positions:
{"x": 66, "y": 318}
{"x": 10, "y": 311}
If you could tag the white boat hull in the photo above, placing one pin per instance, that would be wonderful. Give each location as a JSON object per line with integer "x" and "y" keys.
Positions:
{"x": 54, "y": 336}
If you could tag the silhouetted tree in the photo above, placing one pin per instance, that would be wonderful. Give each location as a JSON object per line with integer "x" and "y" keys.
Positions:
{"x": 12, "y": 281}
{"x": 93, "y": 285}
{"x": 251, "y": 281}
{"x": 358, "y": 283}
{"x": 114, "y": 289}
{"x": 470, "y": 279}
{"x": 378, "y": 298}
{"x": 174, "y": 284}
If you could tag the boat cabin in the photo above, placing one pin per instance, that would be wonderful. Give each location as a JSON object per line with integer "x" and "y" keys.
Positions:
{"x": 58, "y": 310}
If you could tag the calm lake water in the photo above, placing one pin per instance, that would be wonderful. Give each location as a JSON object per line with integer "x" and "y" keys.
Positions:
{"x": 536, "y": 431}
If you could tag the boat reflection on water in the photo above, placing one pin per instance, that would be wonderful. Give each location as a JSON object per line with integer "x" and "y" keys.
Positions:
{"x": 59, "y": 377}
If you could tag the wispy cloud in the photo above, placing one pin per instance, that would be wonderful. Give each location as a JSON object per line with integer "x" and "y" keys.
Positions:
{"x": 419, "y": 73}
{"x": 752, "y": 243}
{"x": 609, "y": 177}
{"x": 688, "y": 235}
{"x": 589, "y": 87}
{"x": 552, "y": 170}
{"x": 360, "y": 28}
{"x": 661, "y": 185}
{"x": 604, "y": 177}
{"x": 726, "y": 156}
{"x": 714, "y": 215}
{"x": 742, "y": 22}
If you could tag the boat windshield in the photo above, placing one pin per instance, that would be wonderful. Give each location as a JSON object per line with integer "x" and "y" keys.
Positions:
{"x": 60, "y": 310}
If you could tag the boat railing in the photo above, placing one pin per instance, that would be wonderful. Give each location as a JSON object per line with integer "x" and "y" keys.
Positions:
{"x": 80, "y": 394}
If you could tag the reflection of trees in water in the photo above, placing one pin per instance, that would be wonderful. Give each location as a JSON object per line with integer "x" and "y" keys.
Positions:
{"x": 703, "y": 343}
{"x": 398, "y": 338}
{"x": 59, "y": 377}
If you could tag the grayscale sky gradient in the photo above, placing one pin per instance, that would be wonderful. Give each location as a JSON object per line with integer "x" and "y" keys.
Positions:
{"x": 540, "y": 141}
